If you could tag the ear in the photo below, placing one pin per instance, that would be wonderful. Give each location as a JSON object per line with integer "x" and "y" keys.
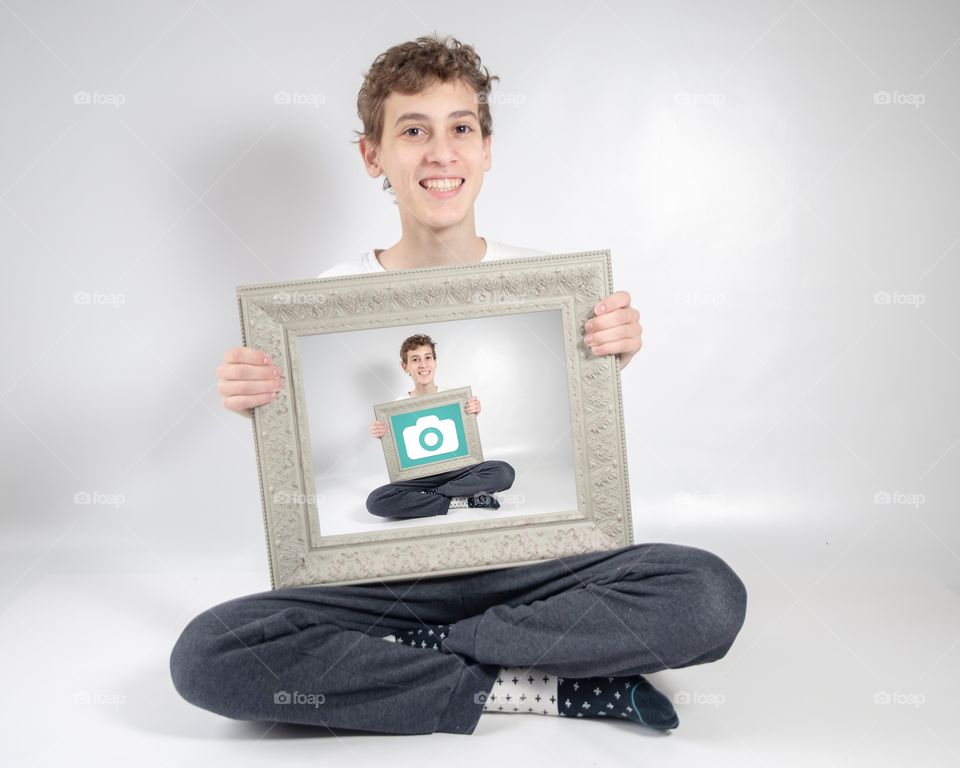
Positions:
{"x": 371, "y": 157}
{"x": 487, "y": 152}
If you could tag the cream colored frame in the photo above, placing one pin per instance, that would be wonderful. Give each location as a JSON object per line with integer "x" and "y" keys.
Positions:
{"x": 274, "y": 315}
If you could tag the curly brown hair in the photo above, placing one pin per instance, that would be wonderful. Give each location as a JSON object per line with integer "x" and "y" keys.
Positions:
{"x": 417, "y": 340}
{"x": 413, "y": 66}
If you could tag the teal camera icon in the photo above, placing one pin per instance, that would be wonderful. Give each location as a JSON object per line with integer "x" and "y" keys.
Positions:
{"x": 431, "y": 435}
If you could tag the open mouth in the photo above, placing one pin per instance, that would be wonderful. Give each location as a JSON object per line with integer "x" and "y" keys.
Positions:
{"x": 442, "y": 187}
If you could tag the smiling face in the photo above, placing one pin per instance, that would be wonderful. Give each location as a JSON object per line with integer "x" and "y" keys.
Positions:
{"x": 421, "y": 365}
{"x": 433, "y": 153}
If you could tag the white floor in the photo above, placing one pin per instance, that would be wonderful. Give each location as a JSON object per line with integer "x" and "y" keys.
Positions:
{"x": 849, "y": 656}
{"x": 541, "y": 487}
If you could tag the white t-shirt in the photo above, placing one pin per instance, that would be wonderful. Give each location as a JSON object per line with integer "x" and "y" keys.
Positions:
{"x": 407, "y": 395}
{"x": 368, "y": 262}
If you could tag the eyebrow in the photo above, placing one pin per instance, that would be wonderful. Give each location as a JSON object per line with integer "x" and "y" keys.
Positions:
{"x": 451, "y": 116}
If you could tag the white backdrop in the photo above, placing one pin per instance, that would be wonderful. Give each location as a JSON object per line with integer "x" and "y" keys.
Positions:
{"x": 777, "y": 182}
{"x": 514, "y": 365}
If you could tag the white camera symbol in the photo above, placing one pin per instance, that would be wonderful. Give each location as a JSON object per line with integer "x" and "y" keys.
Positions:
{"x": 430, "y": 436}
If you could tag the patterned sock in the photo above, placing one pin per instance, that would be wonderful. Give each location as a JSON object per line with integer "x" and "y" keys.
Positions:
{"x": 429, "y": 636}
{"x": 632, "y": 698}
{"x": 523, "y": 690}
{"x": 526, "y": 690}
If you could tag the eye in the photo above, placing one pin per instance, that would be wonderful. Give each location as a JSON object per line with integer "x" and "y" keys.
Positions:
{"x": 412, "y": 128}
{"x": 464, "y": 125}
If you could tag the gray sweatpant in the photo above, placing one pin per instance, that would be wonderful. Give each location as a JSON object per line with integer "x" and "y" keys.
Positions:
{"x": 315, "y": 655}
{"x": 403, "y": 498}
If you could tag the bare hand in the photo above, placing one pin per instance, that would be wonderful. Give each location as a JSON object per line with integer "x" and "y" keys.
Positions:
{"x": 248, "y": 378}
{"x": 615, "y": 328}
{"x": 473, "y": 405}
{"x": 378, "y": 428}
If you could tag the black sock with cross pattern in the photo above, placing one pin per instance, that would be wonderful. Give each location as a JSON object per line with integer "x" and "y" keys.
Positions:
{"x": 628, "y": 698}
{"x": 527, "y": 690}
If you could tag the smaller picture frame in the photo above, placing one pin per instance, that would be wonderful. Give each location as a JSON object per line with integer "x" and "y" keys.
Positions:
{"x": 429, "y": 434}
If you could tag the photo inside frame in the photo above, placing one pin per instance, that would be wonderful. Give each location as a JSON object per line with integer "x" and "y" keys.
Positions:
{"x": 515, "y": 365}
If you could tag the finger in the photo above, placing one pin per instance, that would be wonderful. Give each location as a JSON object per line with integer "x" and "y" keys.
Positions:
{"x": 622, "y": 316}
{"x": 614, "y": 301}
{"x": 246, "y": 355}
{"x": 241, "y": 402}
{"x": 611, "y": 334}
{"x": 615, "y": 344}
{"x": 245, "y": 371}
{"x": 229, "y": 388}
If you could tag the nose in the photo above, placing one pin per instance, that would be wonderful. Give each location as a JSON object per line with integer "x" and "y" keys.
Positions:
{"x": 440, "y": 149}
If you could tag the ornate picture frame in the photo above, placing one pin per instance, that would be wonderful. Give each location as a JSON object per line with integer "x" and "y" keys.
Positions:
{"x": 275, "y": 318}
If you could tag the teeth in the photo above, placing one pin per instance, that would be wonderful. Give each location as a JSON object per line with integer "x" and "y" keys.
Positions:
{"x": 441, "y": 184}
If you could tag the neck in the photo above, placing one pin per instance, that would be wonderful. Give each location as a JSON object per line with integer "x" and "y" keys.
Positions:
{"x": 428, "y": 389}
{"x": 423, "y": 247}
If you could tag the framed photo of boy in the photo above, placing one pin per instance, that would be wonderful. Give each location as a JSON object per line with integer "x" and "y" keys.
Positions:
{"x": 552, "y": 415}
{"x": 429, "y": 434}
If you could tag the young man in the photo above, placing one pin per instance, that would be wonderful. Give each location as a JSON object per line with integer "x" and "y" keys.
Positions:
{"x": 570, "y": 636}
{"x": 436, "y": 494}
